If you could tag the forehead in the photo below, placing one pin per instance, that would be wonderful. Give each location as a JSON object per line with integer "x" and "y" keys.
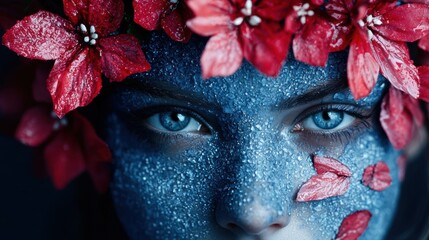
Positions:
{"x": 176, "y": 67}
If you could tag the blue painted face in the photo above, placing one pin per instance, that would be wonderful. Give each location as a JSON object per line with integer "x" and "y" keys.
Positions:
{"x": 224, "y": 158}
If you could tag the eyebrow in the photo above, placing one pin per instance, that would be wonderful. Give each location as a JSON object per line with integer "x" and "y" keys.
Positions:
{"x": 161, "y": 89}
{"x": 319, "y": 91}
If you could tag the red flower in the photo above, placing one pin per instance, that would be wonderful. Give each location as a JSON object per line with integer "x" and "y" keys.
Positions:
{"x": 312, "y": 32}
{"x": 241, "y": 28}
{"x": 399, "y": 114}
{"x": 71, "y": 146}
{"x": 377, "y": 176}
{"x": 379, "y": 33}
{"x": 332, "y": 179}
{"x": 82, "y": 48}
{"x": 354, "y": 225}
{"x": 171, "y": 15}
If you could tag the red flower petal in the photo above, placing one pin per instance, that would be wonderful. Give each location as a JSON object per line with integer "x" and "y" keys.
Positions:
{"x": 424, "y": 43}
{"x": 210, "y": 8}
{"x": 327, "y": 164}
{"x": 311, "y": 45}
{"x": 35, "y": 127}
{"x": 271, "y": 9}
{"x": 122, "y": 56}
{"x": 377, "y": 177}
{"x": 207, "y": 26}
{"x": 147, "y": 13}
{"x": 105, "y": 15}
{"x": 410, "y": 29}
{"x": 75, "y": 80}
{"x": 341, "y": 24}
{"x": 395, "y": 120}
{"x": 64, "y": 158}
{"x": 354, "y": 225}
{"x": 174, "y": 24}
{"x": 396, "y": 65}
{"x": 323, "y": 186}
{"x": 96, "y": 152}
{"x": 424, "y": 83}
{"x": 362, "y": 68}
{"x": 265, "y": 46}
{"x": 222, "y": 55}
{"x": 43, "y": 35}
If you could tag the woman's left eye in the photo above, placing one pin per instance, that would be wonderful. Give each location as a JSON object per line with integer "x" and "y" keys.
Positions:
{"x": 327, "y": 120}
{"x": 174, "y": 122}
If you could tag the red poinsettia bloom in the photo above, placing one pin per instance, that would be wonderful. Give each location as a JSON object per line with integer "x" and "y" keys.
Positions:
{"x": 70, "y": 145}
{"x": 378, "y": 33}
{"x": 312, "y": 32}
{"x": 399, "y": 117}
{"x": 82, "y": 48}
{"x": 241, "y": 28}
{"x": 170, "y": 15}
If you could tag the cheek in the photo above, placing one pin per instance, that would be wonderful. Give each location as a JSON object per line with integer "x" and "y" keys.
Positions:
{"x": 367, "y": 149}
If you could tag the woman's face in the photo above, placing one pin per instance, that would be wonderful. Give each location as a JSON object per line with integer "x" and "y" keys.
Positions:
{"x": 224, "y": 158}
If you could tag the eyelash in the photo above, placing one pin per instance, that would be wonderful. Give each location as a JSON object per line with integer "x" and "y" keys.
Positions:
{"x": 362, "y": 121}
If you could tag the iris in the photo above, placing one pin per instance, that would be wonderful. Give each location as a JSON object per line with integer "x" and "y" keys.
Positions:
{"x": 328, "y": 119}
{"x": 174, "y": 121}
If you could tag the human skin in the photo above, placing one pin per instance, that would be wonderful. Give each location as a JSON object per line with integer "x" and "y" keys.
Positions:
{"x": 233, "y": 171}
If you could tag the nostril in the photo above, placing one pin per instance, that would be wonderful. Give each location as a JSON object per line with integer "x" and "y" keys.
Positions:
{"x": 276, "y": 226}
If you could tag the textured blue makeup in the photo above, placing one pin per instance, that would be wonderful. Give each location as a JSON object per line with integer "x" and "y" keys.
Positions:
{"x": 224, "y": 158}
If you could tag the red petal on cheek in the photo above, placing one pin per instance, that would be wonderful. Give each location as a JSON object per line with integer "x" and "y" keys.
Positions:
{"x": 354, "y": 225}
{"x": 377, "y": 177}
{"x": 323, "y": 186}
{"x": 327, "y": 164}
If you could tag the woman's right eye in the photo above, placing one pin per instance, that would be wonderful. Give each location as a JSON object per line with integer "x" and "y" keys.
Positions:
{"x": 175, "y": 122}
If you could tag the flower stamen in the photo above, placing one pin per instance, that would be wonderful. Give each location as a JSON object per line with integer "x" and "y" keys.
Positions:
{"x": 253, "y": 20}
{"x": 370, "y": 21}
{"x": 303, "y": 11}
{"x": 90, "y": 37}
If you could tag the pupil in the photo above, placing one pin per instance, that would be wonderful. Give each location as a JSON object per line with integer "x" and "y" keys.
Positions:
{"x": 326, "y": 116}
{"x": 174, "y": 121}
{"x": 328, "y": 119}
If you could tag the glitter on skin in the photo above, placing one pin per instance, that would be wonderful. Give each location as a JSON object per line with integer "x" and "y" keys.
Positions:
{"x": 208, "y": 186}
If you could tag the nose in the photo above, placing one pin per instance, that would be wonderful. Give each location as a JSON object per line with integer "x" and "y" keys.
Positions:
{"x": 251, "y": 218}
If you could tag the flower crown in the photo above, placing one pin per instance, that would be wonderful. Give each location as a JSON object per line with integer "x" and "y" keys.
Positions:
{"x": 87, "y": 43}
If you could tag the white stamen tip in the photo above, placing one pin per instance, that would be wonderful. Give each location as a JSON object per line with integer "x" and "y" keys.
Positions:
{"x": 83, "y": 28}
{"x": 370, "y": 35}
{"x": 92, "y": 42}
{"x": 246, "y": 11}
{"x": 238, "y": 21}
{"x": 94, "y": 36}
{"x": 92, "y": 29}
{"x": 310, "y": 13}
{"x": 86, "y": 39}
{"x": 248, "y": 4}
{"x": 369, "y": 18}
{"x": 303, "y": 20}
{"x": 254, "y": 20}
{"x": 306, "y": 6}
{"x": 361, "y": 23}
{"x": 296, "y": 8}
{"x": 377, "y": 21}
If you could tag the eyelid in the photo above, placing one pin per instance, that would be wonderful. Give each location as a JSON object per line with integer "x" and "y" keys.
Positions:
{"x": 146, "y": 113}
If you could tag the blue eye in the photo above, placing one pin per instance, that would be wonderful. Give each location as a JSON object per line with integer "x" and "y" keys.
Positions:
{"x": 328, "y": 120}
{"x": 174, "y": 122}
